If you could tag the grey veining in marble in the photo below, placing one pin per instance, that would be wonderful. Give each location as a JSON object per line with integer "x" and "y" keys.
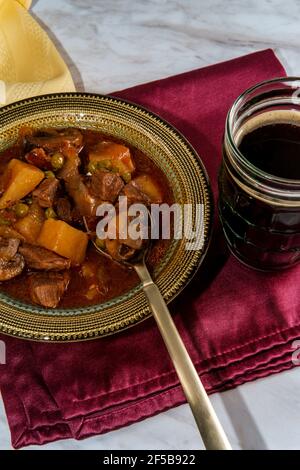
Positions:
{"x": 122, "y": 43}
{"x": 111, "y": 45}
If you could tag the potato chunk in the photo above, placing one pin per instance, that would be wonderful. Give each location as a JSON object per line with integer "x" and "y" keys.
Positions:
{"x": 19, "y": 179}
{"x": 112, "y": 156}
{"x": 64, "y": 240}
{"x": 149, "y": 187}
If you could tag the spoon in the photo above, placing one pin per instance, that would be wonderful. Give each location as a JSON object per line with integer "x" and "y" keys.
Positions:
{"x": 209, "y": 426}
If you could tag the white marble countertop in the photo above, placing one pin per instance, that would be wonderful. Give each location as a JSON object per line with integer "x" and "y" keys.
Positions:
{"x": 110, "y": 45}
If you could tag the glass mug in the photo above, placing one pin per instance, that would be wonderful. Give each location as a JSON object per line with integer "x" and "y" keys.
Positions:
{"x": 260, "y": 209}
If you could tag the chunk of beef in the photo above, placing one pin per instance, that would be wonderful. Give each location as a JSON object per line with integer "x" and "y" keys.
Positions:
{"x": 40, "y": 258}
{"x": 71, "y": 164}
{"x": 106, "y": 185}
{"x": 47, "y": 289}
{"x": 135, "y": 244}
{"x": 85, "y": 202}
{"x": 8, "y": 248}
{"x": 134, "y": 195}
{"x": 124, "y": 248}
{"x": 38, "y": 157}
{"x": 63, "y": 209}
{"x": 126, "y": 235}
{"x": 144, "y": 189}
{"x": 118, "y": 250}
{"x": 77, "y": 217}
{"x": 53, "y": 140}
{"x": 46, "y": 191}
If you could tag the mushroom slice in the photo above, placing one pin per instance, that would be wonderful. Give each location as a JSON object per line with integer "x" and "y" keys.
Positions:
{"x": 11, "y": 268}
{"x": 8, "y": 248}
{"x": 54, "y": 139}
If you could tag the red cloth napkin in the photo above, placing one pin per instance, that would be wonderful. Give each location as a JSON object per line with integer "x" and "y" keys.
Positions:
{"x": 238, "y": 324}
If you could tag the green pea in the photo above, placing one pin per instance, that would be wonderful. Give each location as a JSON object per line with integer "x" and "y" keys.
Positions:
{"x": 21, "y": 209}
{"x": 104, "y": 164}
{"x": 57, "y": 161}
{"x": 100, "y": 243}
{"x": 29, "y": 200}
{"x": 4, "y": 221}
{"x": 126, "y": 177}
{"x": 92, "y": 167}
{"x": 50, "y": 213}
{"x": 49, "y": 174}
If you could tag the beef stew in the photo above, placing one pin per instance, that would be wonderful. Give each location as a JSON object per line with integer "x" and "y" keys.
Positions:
{"x": 49, "y": 180}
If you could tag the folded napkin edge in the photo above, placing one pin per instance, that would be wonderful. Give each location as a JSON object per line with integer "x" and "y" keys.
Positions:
{"x": 103, "y": 423}
{"x": 163, "y": 382}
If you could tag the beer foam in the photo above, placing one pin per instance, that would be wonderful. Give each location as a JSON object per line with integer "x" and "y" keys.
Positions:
{"x": 277, "y": 116}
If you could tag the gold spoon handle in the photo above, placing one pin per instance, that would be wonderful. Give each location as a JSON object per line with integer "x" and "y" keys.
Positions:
{"x": 210, "y": 428}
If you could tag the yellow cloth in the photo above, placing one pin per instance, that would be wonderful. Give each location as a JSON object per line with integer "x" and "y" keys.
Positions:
{"x": 30, "y": 65}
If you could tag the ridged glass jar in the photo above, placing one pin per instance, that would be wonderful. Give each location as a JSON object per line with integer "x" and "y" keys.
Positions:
{"x": 260, "y": 213}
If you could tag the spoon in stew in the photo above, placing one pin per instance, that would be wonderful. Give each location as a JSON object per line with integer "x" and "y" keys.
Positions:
{"x": 209, "y": 426}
